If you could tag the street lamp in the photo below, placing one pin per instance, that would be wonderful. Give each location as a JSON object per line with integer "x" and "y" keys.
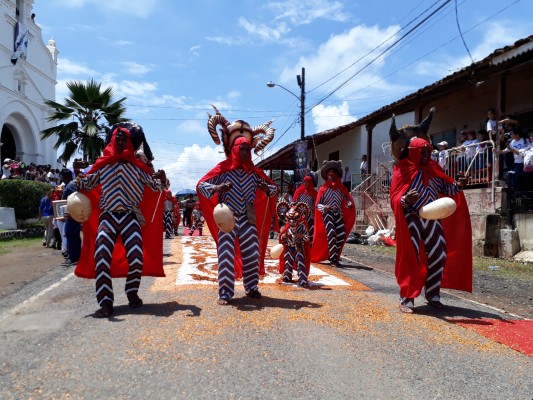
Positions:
{"x": 300, "y": 147}
{"x": 301, "y": 83}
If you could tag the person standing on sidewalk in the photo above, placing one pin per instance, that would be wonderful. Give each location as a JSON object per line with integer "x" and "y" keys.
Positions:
{"x": 46, "y": 214}
{"x": 71, "y": 228}
{"x": 122, "y": 178}
{"x": 446, "y": 260}
{"x": 168, "y": 214}
{"x": 187, "y": 211}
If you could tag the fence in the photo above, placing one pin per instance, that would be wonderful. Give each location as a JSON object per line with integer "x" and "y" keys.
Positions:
{"x": 476, "y": 161}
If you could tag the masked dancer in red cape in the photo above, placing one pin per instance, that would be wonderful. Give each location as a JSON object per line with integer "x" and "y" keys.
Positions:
{"x": 246, "y": 190}
{"x": 334, "y": 215}
{"x": 445, "y": 260}
{"x": 197, "y": 220}
{"x": 169, "y": 211}
{"x": 306, "y": 193}
{"x": 117, "y": 185}
{"x": 295, "y": 239}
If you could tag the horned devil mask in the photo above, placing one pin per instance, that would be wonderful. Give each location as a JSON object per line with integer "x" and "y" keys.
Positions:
{"x": 259, "y": 136}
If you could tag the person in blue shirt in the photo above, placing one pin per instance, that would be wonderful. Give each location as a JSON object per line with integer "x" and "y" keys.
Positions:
{"x": 46, "y": 214}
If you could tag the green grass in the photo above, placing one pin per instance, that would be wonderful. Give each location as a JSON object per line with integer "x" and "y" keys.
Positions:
{"x": 506, "y": 268}
{"x": 7, "y": 246}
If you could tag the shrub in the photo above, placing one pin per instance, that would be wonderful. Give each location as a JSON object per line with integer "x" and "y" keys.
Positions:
{"x": 24, "y": 196}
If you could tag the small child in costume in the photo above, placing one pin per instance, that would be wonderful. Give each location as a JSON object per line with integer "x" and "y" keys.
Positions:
{"x": 295, "y": 239}
{"x": 197, "y": 220}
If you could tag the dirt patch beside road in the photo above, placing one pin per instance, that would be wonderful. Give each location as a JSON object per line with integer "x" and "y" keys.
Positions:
{"x": 496, "y": 288}
{"x": 24, "y": 261}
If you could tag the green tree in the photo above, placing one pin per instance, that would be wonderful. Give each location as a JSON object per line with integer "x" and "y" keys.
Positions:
{"x": 90, "y": 112}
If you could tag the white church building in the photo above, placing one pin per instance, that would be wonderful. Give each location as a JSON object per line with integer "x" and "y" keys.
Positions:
{"x": 28, "y": 71}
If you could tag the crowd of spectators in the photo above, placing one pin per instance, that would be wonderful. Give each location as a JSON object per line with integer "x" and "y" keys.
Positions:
{"x": 18, "y": 169}
{"x": 475, "y": 151}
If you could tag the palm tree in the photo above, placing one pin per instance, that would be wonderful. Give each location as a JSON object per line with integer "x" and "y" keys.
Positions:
{"x": 91, "y": 112}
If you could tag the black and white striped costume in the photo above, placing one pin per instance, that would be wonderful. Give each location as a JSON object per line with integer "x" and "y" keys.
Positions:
{"x": 122, "y": 189}
{"x": 241, "y": 193}
{"x": 310, "y": 202}
{"x": 333, "y": 220}
{"x": 294, "y": 250}
{"x": 429, "y": 231}
{"x": 168, "y": 218}
{"x": 197, "y": 222}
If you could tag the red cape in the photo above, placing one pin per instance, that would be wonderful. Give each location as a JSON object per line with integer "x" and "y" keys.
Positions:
{"x": 301, "y": 189}
{"x": 152, "y": 232}
{"x": 264, "y": 208}
{"x": 307, "y": 254}
{"x": 410, "y": 273}
{"x": 320, "y": 251}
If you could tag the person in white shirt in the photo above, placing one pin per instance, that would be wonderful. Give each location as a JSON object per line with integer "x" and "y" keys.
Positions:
{"x": 364, "y": 165}
{"x": 492, "y": 122}
{"x": 469, "y": 148}
{"x": 517, "y": 143}
{"x": 6, "y": 168}
{"x": 443, "y": 155}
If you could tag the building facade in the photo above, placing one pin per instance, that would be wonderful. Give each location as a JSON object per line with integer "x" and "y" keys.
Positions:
{"x": 28, "y": 72}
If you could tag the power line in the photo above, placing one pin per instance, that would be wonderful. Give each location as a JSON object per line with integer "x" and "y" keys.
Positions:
{"x": 461, "y": 33}
{"x": 375, "y": 48}
{"x": 380, "y": 55}
{"x": 434, "y": 50}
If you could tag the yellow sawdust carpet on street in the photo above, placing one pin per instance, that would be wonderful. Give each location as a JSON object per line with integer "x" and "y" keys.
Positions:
{"x": 351, "y": 308}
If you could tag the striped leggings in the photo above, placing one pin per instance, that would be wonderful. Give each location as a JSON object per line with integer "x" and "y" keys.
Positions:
{"x": 431, "y": 233}
{"x": 249, "y": 246}
{"x": 292, "y": 254}
{"x": 111, "y": 225}
{"x": 336, "y": 233}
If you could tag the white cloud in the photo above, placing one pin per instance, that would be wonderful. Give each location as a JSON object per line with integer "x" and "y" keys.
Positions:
{"x": 300, "y": 12}
{"x": 338, "y": 53}
{"x": 136, "y": 68}
{"x": 234, "y": 95}
{"x": 264, "y": 32}
{"x": 122, "y": 43}
{"x": 136, "y": 89}
{"x": 67, "y": 67}
{"x": 230, "y": 41}
{"x": 327, "y": 117}
{"x": 495, "y": 35}
{"x": 194, "y": 50}
{"x": 185, "y": 169}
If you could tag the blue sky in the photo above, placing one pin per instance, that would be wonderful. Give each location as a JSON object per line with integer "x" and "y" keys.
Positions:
{"x": 173, "y": 58}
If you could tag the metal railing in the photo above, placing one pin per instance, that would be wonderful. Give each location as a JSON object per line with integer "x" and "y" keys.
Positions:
{"x": 476, "y": 161}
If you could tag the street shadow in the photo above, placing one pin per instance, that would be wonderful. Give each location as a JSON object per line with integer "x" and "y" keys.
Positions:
{"x": 249, "y": 304}
{"x": 156, "y": 309}
{"x": 346, "y": 265}
{"x": 452, "y": 313}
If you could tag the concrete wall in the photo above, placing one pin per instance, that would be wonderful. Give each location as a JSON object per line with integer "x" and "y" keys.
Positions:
{"x": 486, "y": 224}
{"x": 524, "y": 225}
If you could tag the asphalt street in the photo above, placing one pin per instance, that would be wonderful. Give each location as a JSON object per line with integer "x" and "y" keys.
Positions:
{"x": 335, "y": 342}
